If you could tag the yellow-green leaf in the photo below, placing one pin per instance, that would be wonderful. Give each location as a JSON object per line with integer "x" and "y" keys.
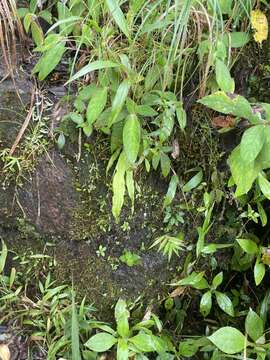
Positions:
{"x": 119, "y": 185}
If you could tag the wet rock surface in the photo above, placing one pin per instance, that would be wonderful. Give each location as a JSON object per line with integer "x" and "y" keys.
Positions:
{"x": 69, "y": 204}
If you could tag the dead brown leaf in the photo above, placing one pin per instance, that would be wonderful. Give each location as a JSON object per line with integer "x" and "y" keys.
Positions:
{"x": 224, "y": 122}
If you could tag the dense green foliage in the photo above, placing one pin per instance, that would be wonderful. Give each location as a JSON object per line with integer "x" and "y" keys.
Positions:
{"x": 136, "y": 65}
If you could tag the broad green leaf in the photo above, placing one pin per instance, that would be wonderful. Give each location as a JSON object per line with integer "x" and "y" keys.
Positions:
{"x": 96, "y": 105}
{"x": 254, "y": 325}
{"x": 206, "y": 303}
{"x": 143, "y": 342}
{"x": 225, "y": 303}
{"x": 76, "y": 118}
{"x": 49, "y": 60}
{"x": 193, "y": 182}
{"x": 121, "y": 314}
{"x": 188, "y": 348}
{"x": 236, "y": 39}
{"x": 264, "y": 185}
{"x": 259, "y": 271}
{"x": 218, "y": 101}
{"x": 181, "y": 115}
{"x": 192, "y": 280}
{"x": 223, "y": 77}
{"x": 171, "y": 191}
{"x": 165, "y": 164}
{"x": 119, "y": 186}
{"x": 95, "y": 65}
{"x": 252, "y": 142}
{"x": 249, "y": 246}
{"x": 101, "y": 342}
{"x": 132, "y": 138}
{"x": 122, "y": 350}
{"x": 217, "y": 280}
{"x": 118, "y": 16}
{"x": 3, "y": 256}
{"x": 238, "y": 168}
{"x": 242, "y": 108}
{"x": 87, "y": 129}
{"x": 228, "y": 339}
{"x": 118, "y": 101}
{"x": 75, "y": 340}
{"x": 145, "y": 110}
{"x": 37, "y": 33}
{"x": 235, "y": 104}
{"x": 27, "y": 21}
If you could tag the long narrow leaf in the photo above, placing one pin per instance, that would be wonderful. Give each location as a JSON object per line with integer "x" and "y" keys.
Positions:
{"x": 95, "y": 65}
{"x": 118, "y": 16}
{"x": 75, "y": 340}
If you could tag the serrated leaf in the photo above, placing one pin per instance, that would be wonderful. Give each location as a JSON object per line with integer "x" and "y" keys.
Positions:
{"x": 223, "y": 77}
{"x": 132, "y": 138}
{"x": 96, "y": 105}
{"x": 101, "y": 342}
{"x": 206, "y": 303}
{"x": 118, "y": 16}
{"x": 225, "y": 303}
{"x": 143, "y": 342}
{"x": 238, "y": 168}
{"x": 228, "y": 339}
{"x": 260, "y": 25}
{"x": 252, "y": 143}
{"x": 254, "y": 325}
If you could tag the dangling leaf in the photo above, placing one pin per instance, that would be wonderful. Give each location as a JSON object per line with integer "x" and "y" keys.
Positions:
{"x": 130, "y": 187}
{"x": 223, "y": 77}
{"x": 118, "y": 16}
{"x": 132, "y": 138}
{"x": 49, "y": 60}
{"x": 171, "y": 191}
{"x": 118, "y": 101}
{"x": 260, "y": 25}
{"x": 119, "y": 186}
{"x": 96, "y": 105}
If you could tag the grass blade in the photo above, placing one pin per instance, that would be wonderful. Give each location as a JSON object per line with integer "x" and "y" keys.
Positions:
{"x": 75, "y": 340}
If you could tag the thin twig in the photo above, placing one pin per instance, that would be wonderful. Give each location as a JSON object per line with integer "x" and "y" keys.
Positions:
{"x": 24, "y": 126}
